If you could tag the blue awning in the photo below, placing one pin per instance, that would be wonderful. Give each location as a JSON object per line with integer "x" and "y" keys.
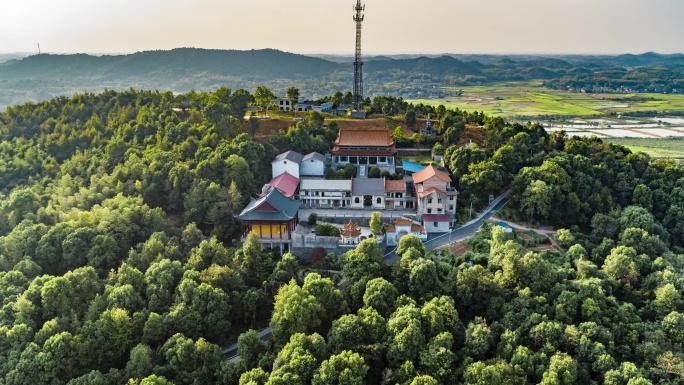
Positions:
{"x": 411, "y": 167}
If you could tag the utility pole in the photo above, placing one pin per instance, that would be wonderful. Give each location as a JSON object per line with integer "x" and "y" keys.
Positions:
{"x": 357, "y": 99}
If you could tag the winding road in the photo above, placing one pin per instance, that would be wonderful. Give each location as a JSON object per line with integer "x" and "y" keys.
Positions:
{"x": 464, "y": 232}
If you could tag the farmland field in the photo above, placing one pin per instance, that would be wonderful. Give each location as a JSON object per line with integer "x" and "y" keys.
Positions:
{"x": 529, "y": 100}
{"x": 657, "y": 148}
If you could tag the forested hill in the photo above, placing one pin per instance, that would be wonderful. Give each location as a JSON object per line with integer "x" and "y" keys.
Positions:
{"x": 173, "y": 64}
{"x": 119, "y": 259}
{"x": 42, "y": 77}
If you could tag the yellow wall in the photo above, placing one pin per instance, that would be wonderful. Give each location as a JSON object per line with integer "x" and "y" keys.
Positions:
{"x": 270, "y": 231}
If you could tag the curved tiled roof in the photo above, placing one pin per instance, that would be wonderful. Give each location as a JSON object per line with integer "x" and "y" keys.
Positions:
{"x": 428, "y": 172}
{"x": 274, "y": 206}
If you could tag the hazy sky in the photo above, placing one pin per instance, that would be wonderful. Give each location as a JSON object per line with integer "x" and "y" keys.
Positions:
{"x": 326, "y": 26}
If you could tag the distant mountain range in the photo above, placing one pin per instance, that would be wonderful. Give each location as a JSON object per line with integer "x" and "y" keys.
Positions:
{"x": 40, "y": 77}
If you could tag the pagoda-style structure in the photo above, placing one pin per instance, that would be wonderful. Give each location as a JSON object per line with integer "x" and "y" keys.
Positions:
{"x": 350, "y": 233}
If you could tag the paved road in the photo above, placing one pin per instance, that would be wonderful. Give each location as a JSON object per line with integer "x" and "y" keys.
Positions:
{"x": 231, "y": 352}
{"x": 464, "y": 232}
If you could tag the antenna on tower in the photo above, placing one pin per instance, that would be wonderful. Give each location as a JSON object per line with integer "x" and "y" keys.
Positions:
{"x": 38, "y": 48}
{"x": 357, "y": 97}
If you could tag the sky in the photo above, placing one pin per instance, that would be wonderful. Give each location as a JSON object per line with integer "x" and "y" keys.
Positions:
{"x": 326, "y": 26}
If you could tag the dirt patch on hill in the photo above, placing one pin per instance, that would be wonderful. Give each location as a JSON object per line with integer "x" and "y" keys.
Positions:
{"x": 459, "y": 248}
{"x": 266, "y": 126}
{"x": 472, "y": 133}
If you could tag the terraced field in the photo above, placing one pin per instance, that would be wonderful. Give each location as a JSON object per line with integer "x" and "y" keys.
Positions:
{"x": 529, "y": 99}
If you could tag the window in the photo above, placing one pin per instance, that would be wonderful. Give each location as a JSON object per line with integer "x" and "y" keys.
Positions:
{"x": 356, "y": 200}
{"x": 284, "y": 162}
{"x": 379, "y": 200}
{"x": 439, "y": 210}
{"x": 430, "y": 200}
{"x": 429, "y": 211}
{"x": 382, "y": 159}
{"x": 451, "y": 207}
{"x": 439, "y": 200}
{"x": 435, "y": 224}
{"x": 451, "y": 198}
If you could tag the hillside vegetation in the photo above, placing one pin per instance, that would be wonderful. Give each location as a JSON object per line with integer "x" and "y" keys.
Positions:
{"x": 119, "y": 262}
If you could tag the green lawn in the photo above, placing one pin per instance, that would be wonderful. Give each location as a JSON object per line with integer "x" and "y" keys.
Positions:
{"x": 529, "y": 99}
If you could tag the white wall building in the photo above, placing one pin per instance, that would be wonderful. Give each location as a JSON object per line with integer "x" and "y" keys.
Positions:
{"x": 368, "y": 193}
{"x": 402, "y": 227}
{"x": 325, "y": 193}
{"x": 437, "y": 223}
{"x": 283, "y": 104}
{"x": 313, "y": 165}
{"x": 287, "y": 162}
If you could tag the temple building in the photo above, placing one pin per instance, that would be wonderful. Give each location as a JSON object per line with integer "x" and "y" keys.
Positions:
{"x": 273, "y": 217}
{"x": 365, "y": 148}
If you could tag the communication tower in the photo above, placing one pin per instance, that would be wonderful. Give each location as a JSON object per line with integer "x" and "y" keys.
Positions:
{"x": 358, "y": 63}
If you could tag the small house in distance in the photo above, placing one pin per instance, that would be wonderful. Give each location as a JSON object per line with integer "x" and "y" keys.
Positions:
{"x": 314, "y": 106}
{"x": 313, "y": 165}
{"x": 287, "y": 162}
{"x": 283, "y": 104}
{"x": 273, "y": 218}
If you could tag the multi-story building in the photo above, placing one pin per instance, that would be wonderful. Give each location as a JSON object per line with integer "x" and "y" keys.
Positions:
{"x": 325, "y": 193}
{"x": 396, "y": 195}
{"x": 434, "y": 193}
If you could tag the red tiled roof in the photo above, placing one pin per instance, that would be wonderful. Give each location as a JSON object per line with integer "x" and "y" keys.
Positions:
{"x": 436, "y": 218}
{"x": 428, "y": 172}
{"x": 371, "y": 138}
{"x": 286, "y": 183}
{"x": 395, "y": 185}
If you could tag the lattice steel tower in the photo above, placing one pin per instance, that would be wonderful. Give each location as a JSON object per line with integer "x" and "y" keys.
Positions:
{"x": 358, "y": 64}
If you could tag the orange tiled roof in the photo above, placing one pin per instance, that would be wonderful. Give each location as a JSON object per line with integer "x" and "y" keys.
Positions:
{"x": 428, "y": 172}
{"x": 416, "y": 228}
{"x": 403, "y": 222}
{"x": 432, "y": 190}
{"x": 371, "y": 138}
{"x": 390, "y": 228}
{"x": 395, "y": 185}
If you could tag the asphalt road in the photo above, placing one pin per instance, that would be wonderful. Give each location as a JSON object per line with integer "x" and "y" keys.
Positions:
{"x": 464, "y": 232}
